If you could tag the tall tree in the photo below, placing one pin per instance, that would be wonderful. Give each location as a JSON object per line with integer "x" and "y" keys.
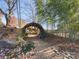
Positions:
{"x": 42, "y": 13}
{"x": 10, "y": 4}
{"x": 66, "y": 10}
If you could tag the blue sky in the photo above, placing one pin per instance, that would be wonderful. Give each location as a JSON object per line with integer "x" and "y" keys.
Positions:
{"x": 27, "y": 6}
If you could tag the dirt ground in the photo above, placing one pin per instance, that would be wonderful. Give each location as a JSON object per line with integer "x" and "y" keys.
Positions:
{"x": 54, "y": 47}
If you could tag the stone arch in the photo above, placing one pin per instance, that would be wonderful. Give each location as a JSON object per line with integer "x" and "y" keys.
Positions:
{"x": 42, "y": 33}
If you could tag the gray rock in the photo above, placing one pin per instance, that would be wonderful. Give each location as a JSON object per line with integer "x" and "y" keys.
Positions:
{"x": 6, "y": 44}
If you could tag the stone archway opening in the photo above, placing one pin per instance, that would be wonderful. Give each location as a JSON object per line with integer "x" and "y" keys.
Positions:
{"x": 33, "y": 30}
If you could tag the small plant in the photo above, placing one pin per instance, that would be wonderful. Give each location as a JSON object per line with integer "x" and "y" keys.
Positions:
{"x": 28, "y": 47}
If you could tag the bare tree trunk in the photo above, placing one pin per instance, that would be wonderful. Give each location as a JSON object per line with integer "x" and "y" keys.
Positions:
{"x": 11, "y": 5}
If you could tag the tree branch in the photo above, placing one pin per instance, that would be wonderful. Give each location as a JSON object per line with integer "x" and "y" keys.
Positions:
{"x": 13, "y": 5}
{"x": 2, "y": 11}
